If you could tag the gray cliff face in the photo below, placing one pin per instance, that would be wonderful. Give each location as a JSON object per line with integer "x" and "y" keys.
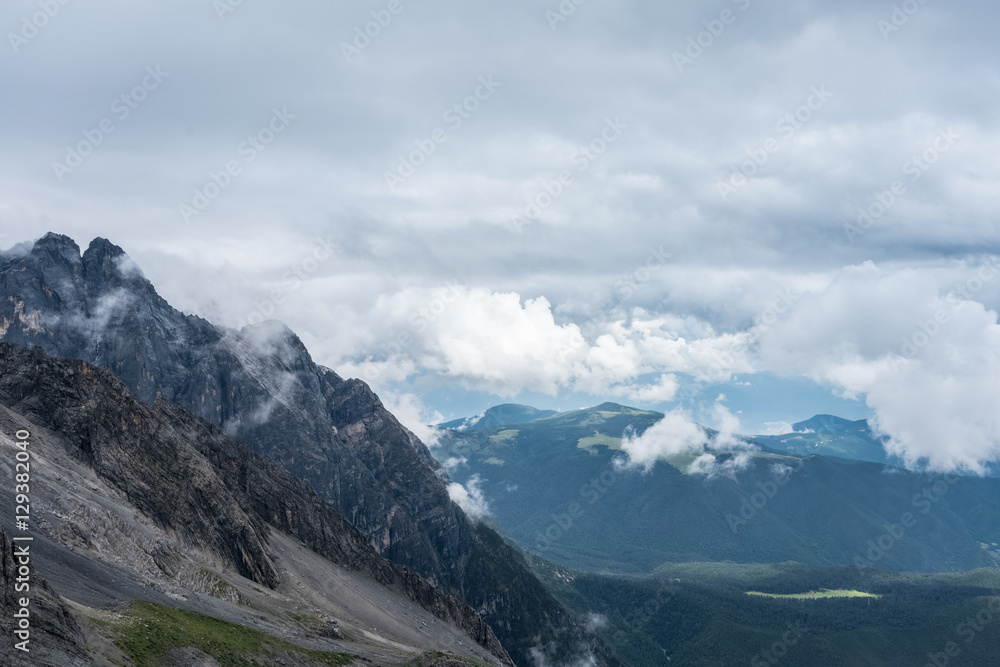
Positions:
{"x": 194, "y": 480}
{"x": 261, "y": 386}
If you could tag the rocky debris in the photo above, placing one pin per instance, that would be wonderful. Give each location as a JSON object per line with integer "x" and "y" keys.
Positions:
{"x": 189, "y": 656}
{"x": 192, "y": 478}
{"x": 330, "y": 628}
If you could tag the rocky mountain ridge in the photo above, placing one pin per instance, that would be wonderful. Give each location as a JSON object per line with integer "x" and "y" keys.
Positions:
{"x": 261, "y": 386}
{"x": 201, "y": 490}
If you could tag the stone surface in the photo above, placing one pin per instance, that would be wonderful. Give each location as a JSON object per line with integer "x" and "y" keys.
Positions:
{"x": 194, "y": 480}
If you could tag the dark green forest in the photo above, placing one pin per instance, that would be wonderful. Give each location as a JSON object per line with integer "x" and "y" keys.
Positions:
{"x": 700, "y": 614}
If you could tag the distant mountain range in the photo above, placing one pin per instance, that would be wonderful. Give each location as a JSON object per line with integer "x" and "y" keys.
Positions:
{"x": 828, "y": 435}
{"x": 499, "y": 415}
{"x": 556, "y": 484}
{"x": 261, "y": 387}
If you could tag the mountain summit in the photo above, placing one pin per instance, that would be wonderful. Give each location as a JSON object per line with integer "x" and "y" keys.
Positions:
{"x": 498, "y": 415}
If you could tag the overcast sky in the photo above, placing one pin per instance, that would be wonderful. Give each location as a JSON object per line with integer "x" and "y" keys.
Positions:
{"x": 653, "y": 203}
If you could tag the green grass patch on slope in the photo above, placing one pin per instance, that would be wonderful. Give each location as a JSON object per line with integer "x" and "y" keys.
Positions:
{"x": 150, "y": 631}
{"x": 590, "y": 443}
{"x": 432, "y": 658}
{"x": 504, "y": 437}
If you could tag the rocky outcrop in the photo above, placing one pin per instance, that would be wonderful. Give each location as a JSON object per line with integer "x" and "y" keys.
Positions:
{"x": 262, "y": 387}
{"x": 195, "y": 480}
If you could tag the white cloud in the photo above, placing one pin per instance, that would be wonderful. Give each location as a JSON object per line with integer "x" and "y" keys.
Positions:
{"x": 396, "y": 368}
{"x": 586, "y": 660}
{"x": 128, "y": 268}
{"x": 727, "y": 425}
{"x": 676, "y": 433}
{"x": 470, "y": 498}
{"x": 662, "y": 391}
{"x": 454, "y": 461}
{"x": 411, "y": 412}
{"x": 501, "y": 344}
{"x": 469, "y": 422}
{"x": 777, "y": 428}
{"x": 713, "y": 466}
{"x": 925, "y": 358}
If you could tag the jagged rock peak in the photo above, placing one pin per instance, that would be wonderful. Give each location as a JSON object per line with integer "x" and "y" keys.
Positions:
{"x": 109, "y": 264}
{"x": 102, "y": 248}
{"x": 57, "y": 245}
{"x": 104, "y": 265}
{"x": 275, "y": 338}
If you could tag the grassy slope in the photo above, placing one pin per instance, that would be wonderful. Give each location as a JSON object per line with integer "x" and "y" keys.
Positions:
{"x": 148, "y": 632}
{"x": 629, "y": 521}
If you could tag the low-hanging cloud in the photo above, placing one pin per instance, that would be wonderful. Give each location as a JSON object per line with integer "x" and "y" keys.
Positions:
{"x": 503, "y": 344}
{"x": 919, "y": 348}
{"x": 470, "y": 498}
{"x": 677, "y": 433}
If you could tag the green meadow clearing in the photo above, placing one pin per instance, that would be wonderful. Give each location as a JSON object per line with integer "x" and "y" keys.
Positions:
{"x": 816, "y": 595}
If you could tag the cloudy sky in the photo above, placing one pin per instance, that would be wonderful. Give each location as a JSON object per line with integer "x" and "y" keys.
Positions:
{"x": 789, "y": 203}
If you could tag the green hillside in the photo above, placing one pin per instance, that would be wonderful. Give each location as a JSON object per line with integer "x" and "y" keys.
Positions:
{"x": 557, "y": 487}
{"x": 828, "y": 435}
